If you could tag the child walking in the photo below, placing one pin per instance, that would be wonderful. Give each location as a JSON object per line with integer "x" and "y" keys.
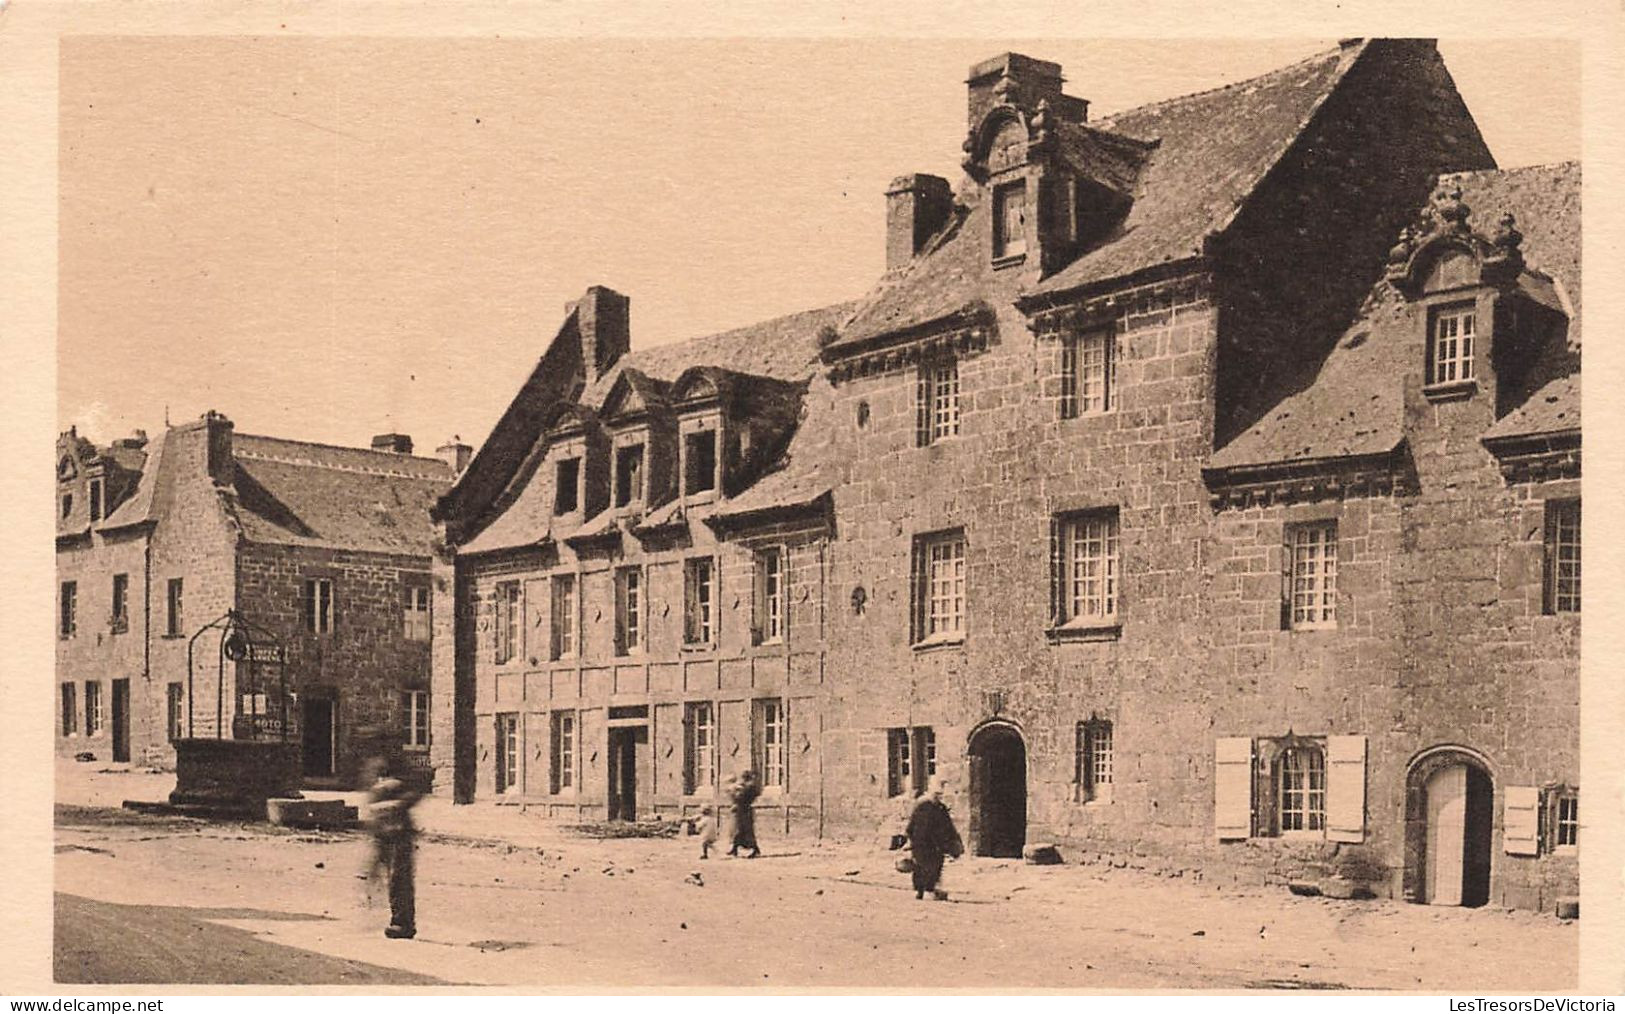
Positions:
{"x": 708, "y": 830}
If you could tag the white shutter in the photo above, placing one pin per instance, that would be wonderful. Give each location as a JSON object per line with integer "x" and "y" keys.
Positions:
{"x": 1345, "y": 788}
{"x": 1233, "y": 787}
{"x": 1520, "y": 820}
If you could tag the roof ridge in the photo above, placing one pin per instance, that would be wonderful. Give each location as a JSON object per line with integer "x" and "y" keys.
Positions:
{"x": 746, "y": 327}
{"x": 1508, "y": 170}
{"x": 394, "y": 455}
{"x": 1189, "y": 96}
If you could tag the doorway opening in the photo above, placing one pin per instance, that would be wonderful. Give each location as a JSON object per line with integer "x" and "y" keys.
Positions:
{"x": 998, "y": 791}
{"x": 319, "y": 724}
{"x": 121, "y": 720}
{"x": 1449, "y": 828}
{"x": 628, "y": 766}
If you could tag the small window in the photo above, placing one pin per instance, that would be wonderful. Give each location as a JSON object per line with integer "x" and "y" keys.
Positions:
{"x": 120, "y": 618}
{"x": 95, "y": 718}
{"x": 175, "y": 702}
{"x": 416, "y": 615}
{"x": 1087, "y": 374}
{"x": 628, "y": 610}
{"x": 1301, "y": 790}
{"x": 415, "y": 719}
{"x": 937, "y": 402}
{"x": 1451, "y": 345}
{"x": 567, "y": 486}
{"x": 70, "y": 710}
{"x": 769, "y": 606}
{"x": 1092, "y": 759}
{"x": 319, "y": 605}
{"x": 1087, "y": 569}
{"x": 1566, "y": 822}
{"x": 939, "y": 587}
{"x": 1562, "y": 556}
{"x": 96, "y": 499}
{"x": 1010, "y": 220}
{"x": 174, "y": 623}
{"x": 507, "y": 758}
{"x": 700, "y": 748}
{"x": 564, "y": 751}
{"x": 629, "y": 475}
{"x": 564, "y": 617}
{"x": 699, "y": 462}
{"x": 68, "y": 615}
{"x": 1311, "y": 577}
{"x": 770, "y": 742}
{"x": 911, "y": 760}
{"x": 505, "y": 622}
{"x": 67, "y": 505}
{"x": 699, "y": 601}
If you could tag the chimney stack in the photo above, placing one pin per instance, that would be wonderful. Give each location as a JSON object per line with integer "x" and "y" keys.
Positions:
{"x": 455, "y": 453}
{"x": 392, "y": 443}
{"x": 604, "y": 319}
{"x": 916, "y": 207}
{"x": 222, "y": 466}
{"x": 1023, "y": 82}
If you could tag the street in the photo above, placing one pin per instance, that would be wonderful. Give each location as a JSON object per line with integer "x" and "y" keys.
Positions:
{"x": 505, "y": 898}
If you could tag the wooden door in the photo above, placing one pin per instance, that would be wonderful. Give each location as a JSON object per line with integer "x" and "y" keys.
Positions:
{"x": 121, "y": 720}
{"x": 1446, "y": 834}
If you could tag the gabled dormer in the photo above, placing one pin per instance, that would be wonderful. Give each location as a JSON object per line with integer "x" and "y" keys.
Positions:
{"x": 732, "y": 427}
{"x": 576, "y": 465}
{"x": 642, "y": 443}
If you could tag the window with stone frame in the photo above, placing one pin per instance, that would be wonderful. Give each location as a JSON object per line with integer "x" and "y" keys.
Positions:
{"x": 1086, "y": 569}
{"x": 769, "y": 596}
{"x": 68, "y": 610}
{"x": 629, "y": 475}
{"x": 1562, "y": 543}
{"x": 936, "y": 401}
{"x": 70, "y": 710}
{"x": 505, "y": 622}
{"x": 95, "y": 716}
{"x": 911, "y": 760}
{"x": 1092, "y": 760}
{"x": 507, "y": 753}
{"x": 1088, "y": 373}
{"x": 770, "y": 729}
{"x": 97, "y": 499}
{"x": 317, "y": 605}
{"x": 700, "y": 601}
{"x": 415, "y": 719}
{"x": 563, "y": 618}
{"x": 699, "y": 462}
{"x": 174, "y": 623}
{"x": 699, "y": 748}
{"x": 67, "y": 505}
{"x": 415, "y": 611}
{"x": 1309, "y": 584}
{"x": 175, "y": 710}
{"x": 567, "y": 486}
{"x": 1452, "y": 343}
{"x": 1297, "y": 796}
{"x": 1010, "y": 220}
{"x": 939, "y": 587}
{"x": 562, "y": 776}
{"x": 628, "y": 610}
{"x": 119, "y": 619}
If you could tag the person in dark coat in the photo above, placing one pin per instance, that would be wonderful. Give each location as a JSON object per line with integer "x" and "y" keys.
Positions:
{"x": 743, "y": 795}
{"x": 389, "y": 812}
{"x": 931, "y": 838}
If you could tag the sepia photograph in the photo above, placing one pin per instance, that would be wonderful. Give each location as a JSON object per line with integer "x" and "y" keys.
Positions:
{"x": 989, "y": 513}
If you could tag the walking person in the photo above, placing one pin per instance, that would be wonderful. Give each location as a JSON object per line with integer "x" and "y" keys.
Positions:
{"x": 707, "y": 830}
{"x": 743, "y": 795}
{"x": 932, "y": 837}
{"x": 389, "y": 812}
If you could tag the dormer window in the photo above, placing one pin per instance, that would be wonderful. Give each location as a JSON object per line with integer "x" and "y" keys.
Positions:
{"x": 95, "y": 499}
{"x": 1451, "y": 344}
{"x": 567, "y": 487}
{"x": 67, "y": 505}
{"x": 1010, "y": 220}
{"x": 628, "y": 475}
{"x": 699, "y": 462}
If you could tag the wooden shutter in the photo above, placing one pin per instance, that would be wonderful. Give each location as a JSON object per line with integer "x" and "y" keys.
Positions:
{"x": 1345, "y": 788}
{"x": 924, "y": 396}
{"x": 758, "y": 609}
{"x": 1286, "y": 578}
{"x": 1520, "y": 820}
{"x": 1233, "y": 787}
{"x": 916, "y": 593}
{"x": 1057, "y": 573}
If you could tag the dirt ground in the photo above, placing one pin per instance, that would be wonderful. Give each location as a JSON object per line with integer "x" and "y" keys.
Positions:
{"x": 505, "y": 898}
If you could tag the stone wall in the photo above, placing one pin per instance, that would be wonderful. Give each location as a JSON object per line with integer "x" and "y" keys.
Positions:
{"x": 100, "y": 652}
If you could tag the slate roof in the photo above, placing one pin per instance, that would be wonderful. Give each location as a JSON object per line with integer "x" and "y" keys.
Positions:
{"x": 1355, "y": 403}
{"x": 139, "y": 506}
{"x": 287, "y": 492}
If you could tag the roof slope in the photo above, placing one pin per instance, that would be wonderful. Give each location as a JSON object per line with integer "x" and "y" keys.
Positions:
{"x": 287, "y": 492}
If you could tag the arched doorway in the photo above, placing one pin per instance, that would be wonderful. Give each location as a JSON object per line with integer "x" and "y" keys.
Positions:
{"x": 998, "y": 790}
{"x": 1449, "y": 827}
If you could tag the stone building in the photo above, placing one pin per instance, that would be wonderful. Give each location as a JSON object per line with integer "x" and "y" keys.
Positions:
{"x": 1197, "y": 488}
{"x": 324, "y": 549}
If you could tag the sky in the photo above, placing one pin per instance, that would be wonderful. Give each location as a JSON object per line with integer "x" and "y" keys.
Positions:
{"x": 326, "y": 239}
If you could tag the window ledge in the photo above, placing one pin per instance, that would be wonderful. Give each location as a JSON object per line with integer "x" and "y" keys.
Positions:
{"x": 940, "y": 641}
{"x": 1301, "y": 836}
{"x": 699, "y": 647}
{"x": 1094, "y": 630}
{"x": 1301, "y": 628}
{"x": 1453, "y": 390}
{"x": 1009, "y": 260}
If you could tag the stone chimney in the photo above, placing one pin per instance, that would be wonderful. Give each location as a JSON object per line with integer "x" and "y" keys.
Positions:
{"x": 134, "y": 442}
{"x": 222, "y": 466}
{"x": 604, "y": 319}
{"x": 916, "y": 207}
{"x": 455, "y": 453}
{"x": 1023, "y": 82}
{"x": 392, "y": 443}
